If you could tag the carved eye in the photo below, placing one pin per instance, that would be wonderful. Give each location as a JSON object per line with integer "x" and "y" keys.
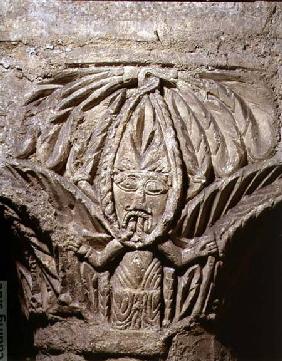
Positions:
{"x": 129, "y": 183}
{"x": 155, "y": 187}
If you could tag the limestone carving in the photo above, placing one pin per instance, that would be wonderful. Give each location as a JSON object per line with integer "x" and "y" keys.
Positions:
{"x": 145, "y": 175}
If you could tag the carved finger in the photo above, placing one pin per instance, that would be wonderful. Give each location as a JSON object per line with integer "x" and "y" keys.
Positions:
{"x": 82, "y": 250}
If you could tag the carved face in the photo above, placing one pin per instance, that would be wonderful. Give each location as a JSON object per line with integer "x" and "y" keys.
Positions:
{"x": 140, "y": 201}
{"x": 144, "y": 180}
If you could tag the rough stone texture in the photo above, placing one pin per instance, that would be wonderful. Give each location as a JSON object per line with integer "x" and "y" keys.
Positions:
{"x": 50, "y": 47}
{"x": 198, "y": 345}
{"x": 40, "y": 37}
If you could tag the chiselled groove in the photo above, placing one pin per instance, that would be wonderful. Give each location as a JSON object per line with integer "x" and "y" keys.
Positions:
{"x": 271, "y": 177}
{"x": 205, "y": 209}
{"x": 223, "y": 200}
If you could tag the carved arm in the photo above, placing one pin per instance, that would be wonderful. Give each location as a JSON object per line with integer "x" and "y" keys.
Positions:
{"x": 99, "y": 259}
{"x": 201, "y": 247}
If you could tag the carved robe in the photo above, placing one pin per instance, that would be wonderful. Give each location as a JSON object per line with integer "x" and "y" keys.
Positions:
{"x": 136, "y": 292}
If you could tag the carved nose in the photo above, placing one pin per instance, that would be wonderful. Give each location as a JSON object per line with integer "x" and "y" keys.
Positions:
{"x": 140, "y": 198}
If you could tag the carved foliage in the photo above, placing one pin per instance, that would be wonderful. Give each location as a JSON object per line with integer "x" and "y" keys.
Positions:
{"x": 217, "y": 128}
{"x": 135, "y": 160}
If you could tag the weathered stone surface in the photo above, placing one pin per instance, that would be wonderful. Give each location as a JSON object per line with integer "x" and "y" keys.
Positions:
{"x": 78, "y": 337}
{"x": 136, "y": 140}
{"x": 65, "y": 357}
{"x": 198, "y": 345}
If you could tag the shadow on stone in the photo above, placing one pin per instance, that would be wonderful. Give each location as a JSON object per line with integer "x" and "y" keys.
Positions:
{"x": 251, "y": 323}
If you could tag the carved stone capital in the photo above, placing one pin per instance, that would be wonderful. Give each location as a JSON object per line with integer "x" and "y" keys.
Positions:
{"x": 126, "y": 186}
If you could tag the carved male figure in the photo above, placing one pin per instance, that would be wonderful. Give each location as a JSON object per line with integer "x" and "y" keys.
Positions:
{"x": 145, "y": 185}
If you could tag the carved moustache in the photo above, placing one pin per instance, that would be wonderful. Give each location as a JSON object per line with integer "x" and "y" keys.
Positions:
{"x": 137, "y": 221}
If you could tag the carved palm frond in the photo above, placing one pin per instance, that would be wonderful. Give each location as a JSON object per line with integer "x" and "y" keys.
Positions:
{"x": 222, "y": 123}
{"x": 224, "y": 120}
{"x": 216, "y": 200}
{"x": 188, "y": 292}
{"x": 104, "y": 295}
{"x": 251, "y": 207}
{"x": 142, "y": 145}
{"x": 192, "y": 140}
{"x": 34, "y": 259}
{"x": 252, "y": 114}
{"x": 168, "y": 294}
{"x": 90, "y": 287}
{"x": 62, "y": 102}
{"x": 71, "y": 210}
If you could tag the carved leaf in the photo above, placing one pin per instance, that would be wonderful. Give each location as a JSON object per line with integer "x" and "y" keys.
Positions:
{"x": 90, "y": 282}
{"x": 253, "y": 113}
{"x": 53, "y": 148}
{"x": 187, "y": 291}
{"x": 238, "y": 127}
{"x": 216, "y": 137}
{"x": 104, "y": 294}
{"x": 34, "y": 259}
{"x": 168, "y": 294}
{"x": 25, "y": 281}
{"x": 206, "y": 284}
{"x": 251, "y": 207}
{"x": 94, "y": 147}
{"x": 219, "y": 123}
{"x": 193, "y": 144}
{"x": 214, "y": 202}
{"x": 64, "y": 99}
{"x": 73, "y": 210}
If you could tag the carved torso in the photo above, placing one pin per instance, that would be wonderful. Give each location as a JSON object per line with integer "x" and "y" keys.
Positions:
{"x": 136, "y": 292}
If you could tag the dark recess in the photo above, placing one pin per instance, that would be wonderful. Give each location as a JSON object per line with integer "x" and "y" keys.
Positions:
{"x": 251, "y": 323}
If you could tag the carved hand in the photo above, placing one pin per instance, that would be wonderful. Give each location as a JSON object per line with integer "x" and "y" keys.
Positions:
{"x": 73, "y": 245}
{"x": 101, "y": 258}
{"x": 206, "y": 247}
{"x": 125, "y": 236}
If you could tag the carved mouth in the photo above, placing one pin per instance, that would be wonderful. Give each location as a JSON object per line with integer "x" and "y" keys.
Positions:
{"x": 137, "y": 221}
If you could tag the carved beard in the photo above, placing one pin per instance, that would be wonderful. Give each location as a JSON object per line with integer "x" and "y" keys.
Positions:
{"x": 138, "y": 222}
